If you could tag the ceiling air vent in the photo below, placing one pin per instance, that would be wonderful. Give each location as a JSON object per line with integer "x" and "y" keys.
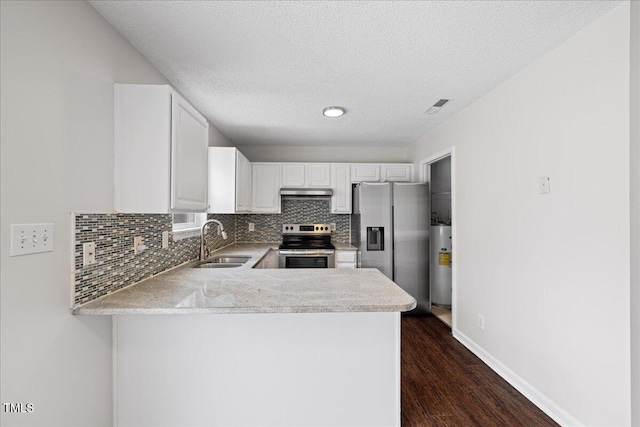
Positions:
{"x": 437, "y": 106}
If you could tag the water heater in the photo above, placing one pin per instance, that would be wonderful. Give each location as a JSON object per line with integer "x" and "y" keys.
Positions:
{"x": 440, "y": 265}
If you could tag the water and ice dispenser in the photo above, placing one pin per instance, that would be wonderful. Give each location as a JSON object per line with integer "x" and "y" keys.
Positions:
{"x": 375, "y": 238}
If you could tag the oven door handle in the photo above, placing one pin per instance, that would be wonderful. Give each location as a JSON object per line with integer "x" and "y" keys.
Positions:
{"x": 306, "y": 252}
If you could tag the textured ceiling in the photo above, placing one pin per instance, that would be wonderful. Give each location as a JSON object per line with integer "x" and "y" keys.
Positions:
{"x": 263, "y": 71}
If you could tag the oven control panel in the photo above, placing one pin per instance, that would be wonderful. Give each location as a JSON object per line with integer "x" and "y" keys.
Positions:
{"x": 306, "y": 229}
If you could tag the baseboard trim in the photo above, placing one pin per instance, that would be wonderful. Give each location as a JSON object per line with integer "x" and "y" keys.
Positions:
{"x": 547, "y": 406}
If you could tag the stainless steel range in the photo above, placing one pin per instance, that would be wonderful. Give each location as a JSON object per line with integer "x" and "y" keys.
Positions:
{"x": 307, "y": 246}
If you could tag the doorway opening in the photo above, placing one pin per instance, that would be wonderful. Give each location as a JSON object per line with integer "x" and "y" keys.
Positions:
{"x": 438, "y": 172}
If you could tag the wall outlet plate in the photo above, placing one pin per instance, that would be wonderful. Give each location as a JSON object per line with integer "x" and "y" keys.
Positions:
{"x": 31, "y": 239}
{"x": 88, "y": 253}
{"x": 137, "y": 245}
{"x": 165, "y": 240}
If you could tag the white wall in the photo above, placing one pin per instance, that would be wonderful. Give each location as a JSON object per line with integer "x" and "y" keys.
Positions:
{"x": 550, "y": 273}
{"x": 635, "y": 212}
{"x": 217, "y": 138}
{"x": 281, "y": 153}
{"x": 59, "y": 63}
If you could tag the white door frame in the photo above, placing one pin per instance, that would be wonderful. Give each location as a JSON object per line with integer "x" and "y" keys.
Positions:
{"x": 425, "y": 170}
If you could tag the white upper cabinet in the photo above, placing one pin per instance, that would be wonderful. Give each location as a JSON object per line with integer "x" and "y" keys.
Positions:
{"x": 160, "y": 151}
{"x": 341, "y": 185}
{"x": 243, "y": 183}
{"x": 229, "y": 181}
{"x": 189, "y": 168}
{"x": 293, "y": 175}
{"x": 397, "y": 172}
{"x": 373, "y": 172}
{"x": 365, "y": 172}
{"x": 306, "y": 175}
{"x": 265, "y": 188}
{"x": 318, "y": 175}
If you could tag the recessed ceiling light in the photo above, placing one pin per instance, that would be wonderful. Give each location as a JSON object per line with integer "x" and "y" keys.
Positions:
{"x": 333, "y": 111}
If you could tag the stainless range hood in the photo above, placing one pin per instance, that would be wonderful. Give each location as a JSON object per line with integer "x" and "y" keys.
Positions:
{"x": 306, "y": 193}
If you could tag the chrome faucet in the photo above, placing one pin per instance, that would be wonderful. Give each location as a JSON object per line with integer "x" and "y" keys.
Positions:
{"x": 204, "y": 250}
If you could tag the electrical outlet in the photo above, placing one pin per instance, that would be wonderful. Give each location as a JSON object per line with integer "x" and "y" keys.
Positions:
{"x": 333, "y": 226}
{"x": 31, "y": 238}
{"x": 252, "y": 226}
{"x": 137, "y": 245}
{"x": 88, "y": 253}
{"x": 165, "y": 240}
{"x": 481, "y": 321}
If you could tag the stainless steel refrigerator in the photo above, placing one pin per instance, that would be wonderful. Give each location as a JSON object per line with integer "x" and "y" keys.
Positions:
{"x": 391, "y": 223}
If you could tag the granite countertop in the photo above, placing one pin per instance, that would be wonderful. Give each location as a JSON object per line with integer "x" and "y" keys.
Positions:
{"x": 345, "y": 247}
{"x": 187, "y": 290}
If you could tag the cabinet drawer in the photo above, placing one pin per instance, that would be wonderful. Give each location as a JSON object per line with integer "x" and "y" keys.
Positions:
{"x": 345, "y": 265}
{"x": 346, "y": 256}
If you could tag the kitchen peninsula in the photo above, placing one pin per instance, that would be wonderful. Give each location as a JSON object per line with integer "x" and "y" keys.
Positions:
{"x": 245, "y": 346}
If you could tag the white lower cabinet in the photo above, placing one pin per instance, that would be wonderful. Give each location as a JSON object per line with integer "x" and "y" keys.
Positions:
{"x": 160, "y": 149}
{"x": 265, "y": 187}
{"x": 346, "y": 259}
{"x": 267, "y": 369}
{"x": 270, "y": 260}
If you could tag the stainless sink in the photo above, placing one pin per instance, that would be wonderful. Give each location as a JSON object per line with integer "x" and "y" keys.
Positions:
{"x": 217, "y": 265}
{"x": 223, "y": 262}
{"x": 239, "y": 259}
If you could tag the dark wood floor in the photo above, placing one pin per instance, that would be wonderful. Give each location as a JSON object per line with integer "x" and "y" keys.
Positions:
{"x": 444, "y": 384}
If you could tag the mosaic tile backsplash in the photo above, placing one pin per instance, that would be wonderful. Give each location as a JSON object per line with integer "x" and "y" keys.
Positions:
{"x": 268, "y": 227}
{"x": 117, "y": 266}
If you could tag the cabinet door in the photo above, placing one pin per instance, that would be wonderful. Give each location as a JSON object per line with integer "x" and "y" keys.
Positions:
{"x": 189, "y": 144}
{"x": 265, "y": 189}
{"x": 341, "y": 185}
{"x": 243, "y": 183}
{"x": 363, "y": 172}
{"x": 293, "y": 175}
{"x": 345, "y": 259}
{"x": 142, "y": 148}
{"x": 222, "y": 172}
{"x": 401, "y": 172}
{"x": 318, "y": 175}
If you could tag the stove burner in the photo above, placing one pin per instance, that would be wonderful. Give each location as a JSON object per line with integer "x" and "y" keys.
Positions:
{"x": 306, "y": 236}
{"x": 306, "y": 242}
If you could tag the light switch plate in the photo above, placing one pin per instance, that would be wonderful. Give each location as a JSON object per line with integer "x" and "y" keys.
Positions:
{"x": 88, "y": 253}
{"x": 252, "y": 226}
{"x": 165, "y": 240}
{"x": 544, "y": 185}
{"x": 31, "y": 239}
